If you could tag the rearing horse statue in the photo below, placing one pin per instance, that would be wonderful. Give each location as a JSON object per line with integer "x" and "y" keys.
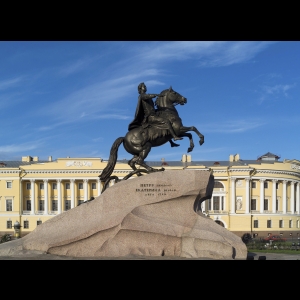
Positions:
{"x": 140, "y": 140}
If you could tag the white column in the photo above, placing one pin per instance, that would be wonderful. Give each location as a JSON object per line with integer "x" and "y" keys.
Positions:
{"x": 232, "y": 208}
{"x": 284, "y": 196}
{"x": 85, "y": 189}
{"x": 99, "y": 187}
{"x": 21, "y": 196}
{"x": 46, "y": 201}
{"x": 247, "y": 210}
{"x": 32, "y": 198}
{"x": 58, "y": 196}
{"x": 292, "y": 197}
{"x": 72, "y": 187}
{"x": 262, "y": 195}
{"x": 297, "y": 199}
{"x": 274, "y": 196}
{"x": 220, "y": 202}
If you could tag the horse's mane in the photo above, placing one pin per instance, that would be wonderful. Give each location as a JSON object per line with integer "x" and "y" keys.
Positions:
{"x": 160, "y": 97}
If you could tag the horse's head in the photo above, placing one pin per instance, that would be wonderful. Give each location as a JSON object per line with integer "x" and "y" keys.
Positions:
{"x": 172, "y": 96}
{"x": 175, "y": 97}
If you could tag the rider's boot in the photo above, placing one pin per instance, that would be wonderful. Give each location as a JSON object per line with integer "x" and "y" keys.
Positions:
{"x": 173, "y": 144}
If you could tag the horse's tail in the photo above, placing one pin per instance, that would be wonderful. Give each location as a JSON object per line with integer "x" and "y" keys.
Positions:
{"x": 112, "y": 160}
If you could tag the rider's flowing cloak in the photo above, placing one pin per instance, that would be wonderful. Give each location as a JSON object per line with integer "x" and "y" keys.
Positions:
{"x": 139, "y": 115}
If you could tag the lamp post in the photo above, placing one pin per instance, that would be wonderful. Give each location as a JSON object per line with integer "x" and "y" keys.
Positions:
{"x": 17, "y": 228}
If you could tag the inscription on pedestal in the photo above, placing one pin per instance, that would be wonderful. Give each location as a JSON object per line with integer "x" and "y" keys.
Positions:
{"x": 155, "y": 189}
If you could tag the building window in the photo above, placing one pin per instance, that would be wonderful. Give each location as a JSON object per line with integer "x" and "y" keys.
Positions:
{"x": 28, "y": 186}
{"x": 80, "y": 186}
{"x": 266, "y": 204}
{"x": 26, "y": 224}
{"x": 67, "y": 186}
{"x": 280, "y": 223}
{"x": 80, "y": 201}
{"x": 253, "y": 204}
{"x": 290, "y": 223}
{"x": 41, "y": 186}
{"x": 54, "y": 205}
{"x": 39, "y": 222}
{"x": 277, "y": 185}
{"x": 8, "y": 224}
{"x": 218, "y": 185}
{"x": 8, "y": 184}
{"x": 216, "y": 202}
{"x": 67, "y": 204}
{"x": 266, "y": 184}
{"x": 41, "y": 205}
{"x": 93, "y": 185}
{"x": 209, "y": 204}
{"x": 54, "y": 186}
{"x": 28, "y": 205}
{"x": 269, "y": 224}
{"x": 255, "y": 224}
{"x": 8, "y": 204}
{"x": 253, "y": 184}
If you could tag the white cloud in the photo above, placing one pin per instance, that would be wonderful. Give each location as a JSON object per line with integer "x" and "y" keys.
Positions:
{"x": 141, "y": 62}
{"x": 216, "y": 53}
{"x": 233, "y": 126}
{"x": 10, "y": 83}
{"x": 19, "y": 148}
{"x": 277, "y": 89}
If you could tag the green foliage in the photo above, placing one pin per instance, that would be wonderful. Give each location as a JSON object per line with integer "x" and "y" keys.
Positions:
{"x": 5, "y": 238}
{"x": 287, "y": 247}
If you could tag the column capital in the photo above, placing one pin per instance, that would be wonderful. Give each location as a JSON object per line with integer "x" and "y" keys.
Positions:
{"x": 58, "y": 180}
{"x": 274, "y": 180}
{"x": 285, "y": 181}
{"x": 32, "y": 180}
{"x": 293, "y": 182}
{"x": 45, "y": 180}
{"x": 262, "y": 179}
{"x": 233, "y": 179}
{"x": 72, "y": 180}
{"x": 85, "y": 180}
{"x": 247, "y": 179}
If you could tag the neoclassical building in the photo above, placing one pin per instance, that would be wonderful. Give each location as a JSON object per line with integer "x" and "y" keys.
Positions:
{"x": 260, "y": 196}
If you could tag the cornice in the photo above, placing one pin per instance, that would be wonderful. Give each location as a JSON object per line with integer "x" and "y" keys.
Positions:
{"x": 240, "y": 170}
{"x": 9, "y": 171}
{"x": 278, "y": 172}
{"x": 62, "y": 171}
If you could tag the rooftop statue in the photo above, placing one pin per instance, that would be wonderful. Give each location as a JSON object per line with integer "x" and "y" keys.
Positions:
{"x": 151, "y": 127}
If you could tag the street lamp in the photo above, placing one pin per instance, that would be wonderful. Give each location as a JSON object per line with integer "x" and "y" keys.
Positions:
{"x": 17, "y": 228}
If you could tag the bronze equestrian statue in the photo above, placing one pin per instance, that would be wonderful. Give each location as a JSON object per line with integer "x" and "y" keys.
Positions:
{"x": 150, "y": 128}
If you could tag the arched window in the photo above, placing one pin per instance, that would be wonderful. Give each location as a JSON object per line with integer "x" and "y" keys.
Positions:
{"x": 218, "y": 185}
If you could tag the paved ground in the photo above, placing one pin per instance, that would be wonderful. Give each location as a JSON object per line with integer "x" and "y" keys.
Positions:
{"x": 273, "y": 256}
{"x": 256, "y": 256}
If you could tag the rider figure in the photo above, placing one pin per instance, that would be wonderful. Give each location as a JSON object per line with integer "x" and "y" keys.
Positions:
{"x": 145, "y": 113}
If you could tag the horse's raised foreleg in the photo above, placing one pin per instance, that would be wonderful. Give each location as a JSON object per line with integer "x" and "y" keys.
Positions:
{"x": 193, "y": 128}
{"x": 189, "y": 135}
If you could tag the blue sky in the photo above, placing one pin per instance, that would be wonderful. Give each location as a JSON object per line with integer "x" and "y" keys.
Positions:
{"x": 74, "y": 98}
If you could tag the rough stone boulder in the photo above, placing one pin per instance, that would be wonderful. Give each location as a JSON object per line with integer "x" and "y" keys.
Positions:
{"x": 151, "y": 215}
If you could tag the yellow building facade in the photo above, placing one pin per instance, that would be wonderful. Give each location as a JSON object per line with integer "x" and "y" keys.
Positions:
{"x": 259, "y": 196}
